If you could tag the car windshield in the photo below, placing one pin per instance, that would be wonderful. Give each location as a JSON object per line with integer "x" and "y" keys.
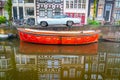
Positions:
{"x": 60, "y": 16}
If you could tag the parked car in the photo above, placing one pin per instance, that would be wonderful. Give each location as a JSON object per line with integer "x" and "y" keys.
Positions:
{"x": 58, "y": 20}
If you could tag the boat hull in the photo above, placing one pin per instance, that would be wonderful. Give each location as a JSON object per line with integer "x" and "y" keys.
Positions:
{"x": 58, "y": 39}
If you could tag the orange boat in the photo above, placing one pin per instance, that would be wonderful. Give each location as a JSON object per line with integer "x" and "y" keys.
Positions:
{"x": 29, "y": 48}
{"x": 58, "y": 37}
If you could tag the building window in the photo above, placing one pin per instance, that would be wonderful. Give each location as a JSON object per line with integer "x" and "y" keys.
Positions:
{"x": 67, "y": 4}
{"x": 20, "y": 1}
{"x": 101, "y": 67}
{"x": 117, "y": 3}
{"x": 29, "y": 11}
{"x": 49, "y": 63}
{"x": 86, "y": 67}
{"x": 57, "y": 1}
{"x": 94, "y": 68}
{"x": 17, "y": 60}
{"x": 43, "y": 1}
{"x": 56, "y": 64}
{"x": 31, "y": 60}
{"x": 72, "y": 72}
{"x": 65, "y": 73}
{"x": 79, "y": 3}
{"x": 20, "y": 12}
{"x": 75, "y": 3}
{"x": 23, "y": 60}
{"x": 78, "y": 73}
{"x": 100, "y": 10}
{"x": 71, "y": 4}
{"x": 29, "y": 1}
{"x": 91, "y": 10}
{"x": 93, "y": 77}
{"x": 42, "y": 12}
{"x": 84, "y": 1}
{"x": 49, "y": 12}
{"x": 57, "y": 11}
{"x": 15, "y": 12}
{"x": 83, "y": 6}
{"x": 49, "y": 0}
{"x": 117, "y": 15}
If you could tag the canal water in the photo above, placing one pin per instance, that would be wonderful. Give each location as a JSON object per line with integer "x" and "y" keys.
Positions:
{"x": 26, "y": 61}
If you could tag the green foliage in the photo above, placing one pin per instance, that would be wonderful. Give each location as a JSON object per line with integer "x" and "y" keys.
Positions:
{"x": 93, "y": 22}
{"x": 2, "y": 19}
{"x": 118, "y": 22}
{"x": 8, "y": 8}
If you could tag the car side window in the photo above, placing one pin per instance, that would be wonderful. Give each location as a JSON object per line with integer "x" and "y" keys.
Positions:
{"x": 56, "y": 16}
{"x": 60, "y": 16}
{"x": 67, "y": 16}
{"x": 63, "y": 16}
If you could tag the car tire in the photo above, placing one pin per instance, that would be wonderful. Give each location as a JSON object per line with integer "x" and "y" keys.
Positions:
{"x": 44, "y": 24}
{"x": 69, "y": 23}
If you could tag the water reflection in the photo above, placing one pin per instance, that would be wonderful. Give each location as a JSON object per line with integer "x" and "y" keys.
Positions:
{"x": 26, "y": 61}
{"x": 58, "y": 49}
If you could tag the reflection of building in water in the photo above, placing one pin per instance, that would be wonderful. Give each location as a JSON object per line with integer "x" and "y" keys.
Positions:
{"x": 52, "y": 66}
{"x": 92, "y": 68}
{"x": 5, "y": 60}
{"x": 109, "y": 59}
{"x": 111, "y": 62}
{"x": 103, "y": 65}
{"x": 49, "y": 67}
{"x": 72, "y": 67}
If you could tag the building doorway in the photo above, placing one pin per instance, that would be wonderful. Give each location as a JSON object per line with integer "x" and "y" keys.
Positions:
{"x": 108, "y": 9}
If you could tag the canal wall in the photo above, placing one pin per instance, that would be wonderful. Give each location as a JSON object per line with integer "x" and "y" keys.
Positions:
{"x": 105, "y": 29}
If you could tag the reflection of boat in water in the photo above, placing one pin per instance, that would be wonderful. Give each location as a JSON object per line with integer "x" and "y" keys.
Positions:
{"x": 111, "y": 40}
{"x": 112, "y": 37}
{"x": 58, "y": 49}
{"x": 58, "y": 37}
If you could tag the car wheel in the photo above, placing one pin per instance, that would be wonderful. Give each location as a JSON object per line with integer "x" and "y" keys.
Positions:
{"x": 69, "y": 23}
{"x": 44, "y": 24}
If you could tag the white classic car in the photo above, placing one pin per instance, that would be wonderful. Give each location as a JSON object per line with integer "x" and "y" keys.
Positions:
{"x": 58, "y": 20}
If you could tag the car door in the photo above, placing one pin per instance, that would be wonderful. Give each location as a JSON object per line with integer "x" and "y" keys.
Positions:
{"x": 62, "y": 19}
{"x": 56, "y": 19}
